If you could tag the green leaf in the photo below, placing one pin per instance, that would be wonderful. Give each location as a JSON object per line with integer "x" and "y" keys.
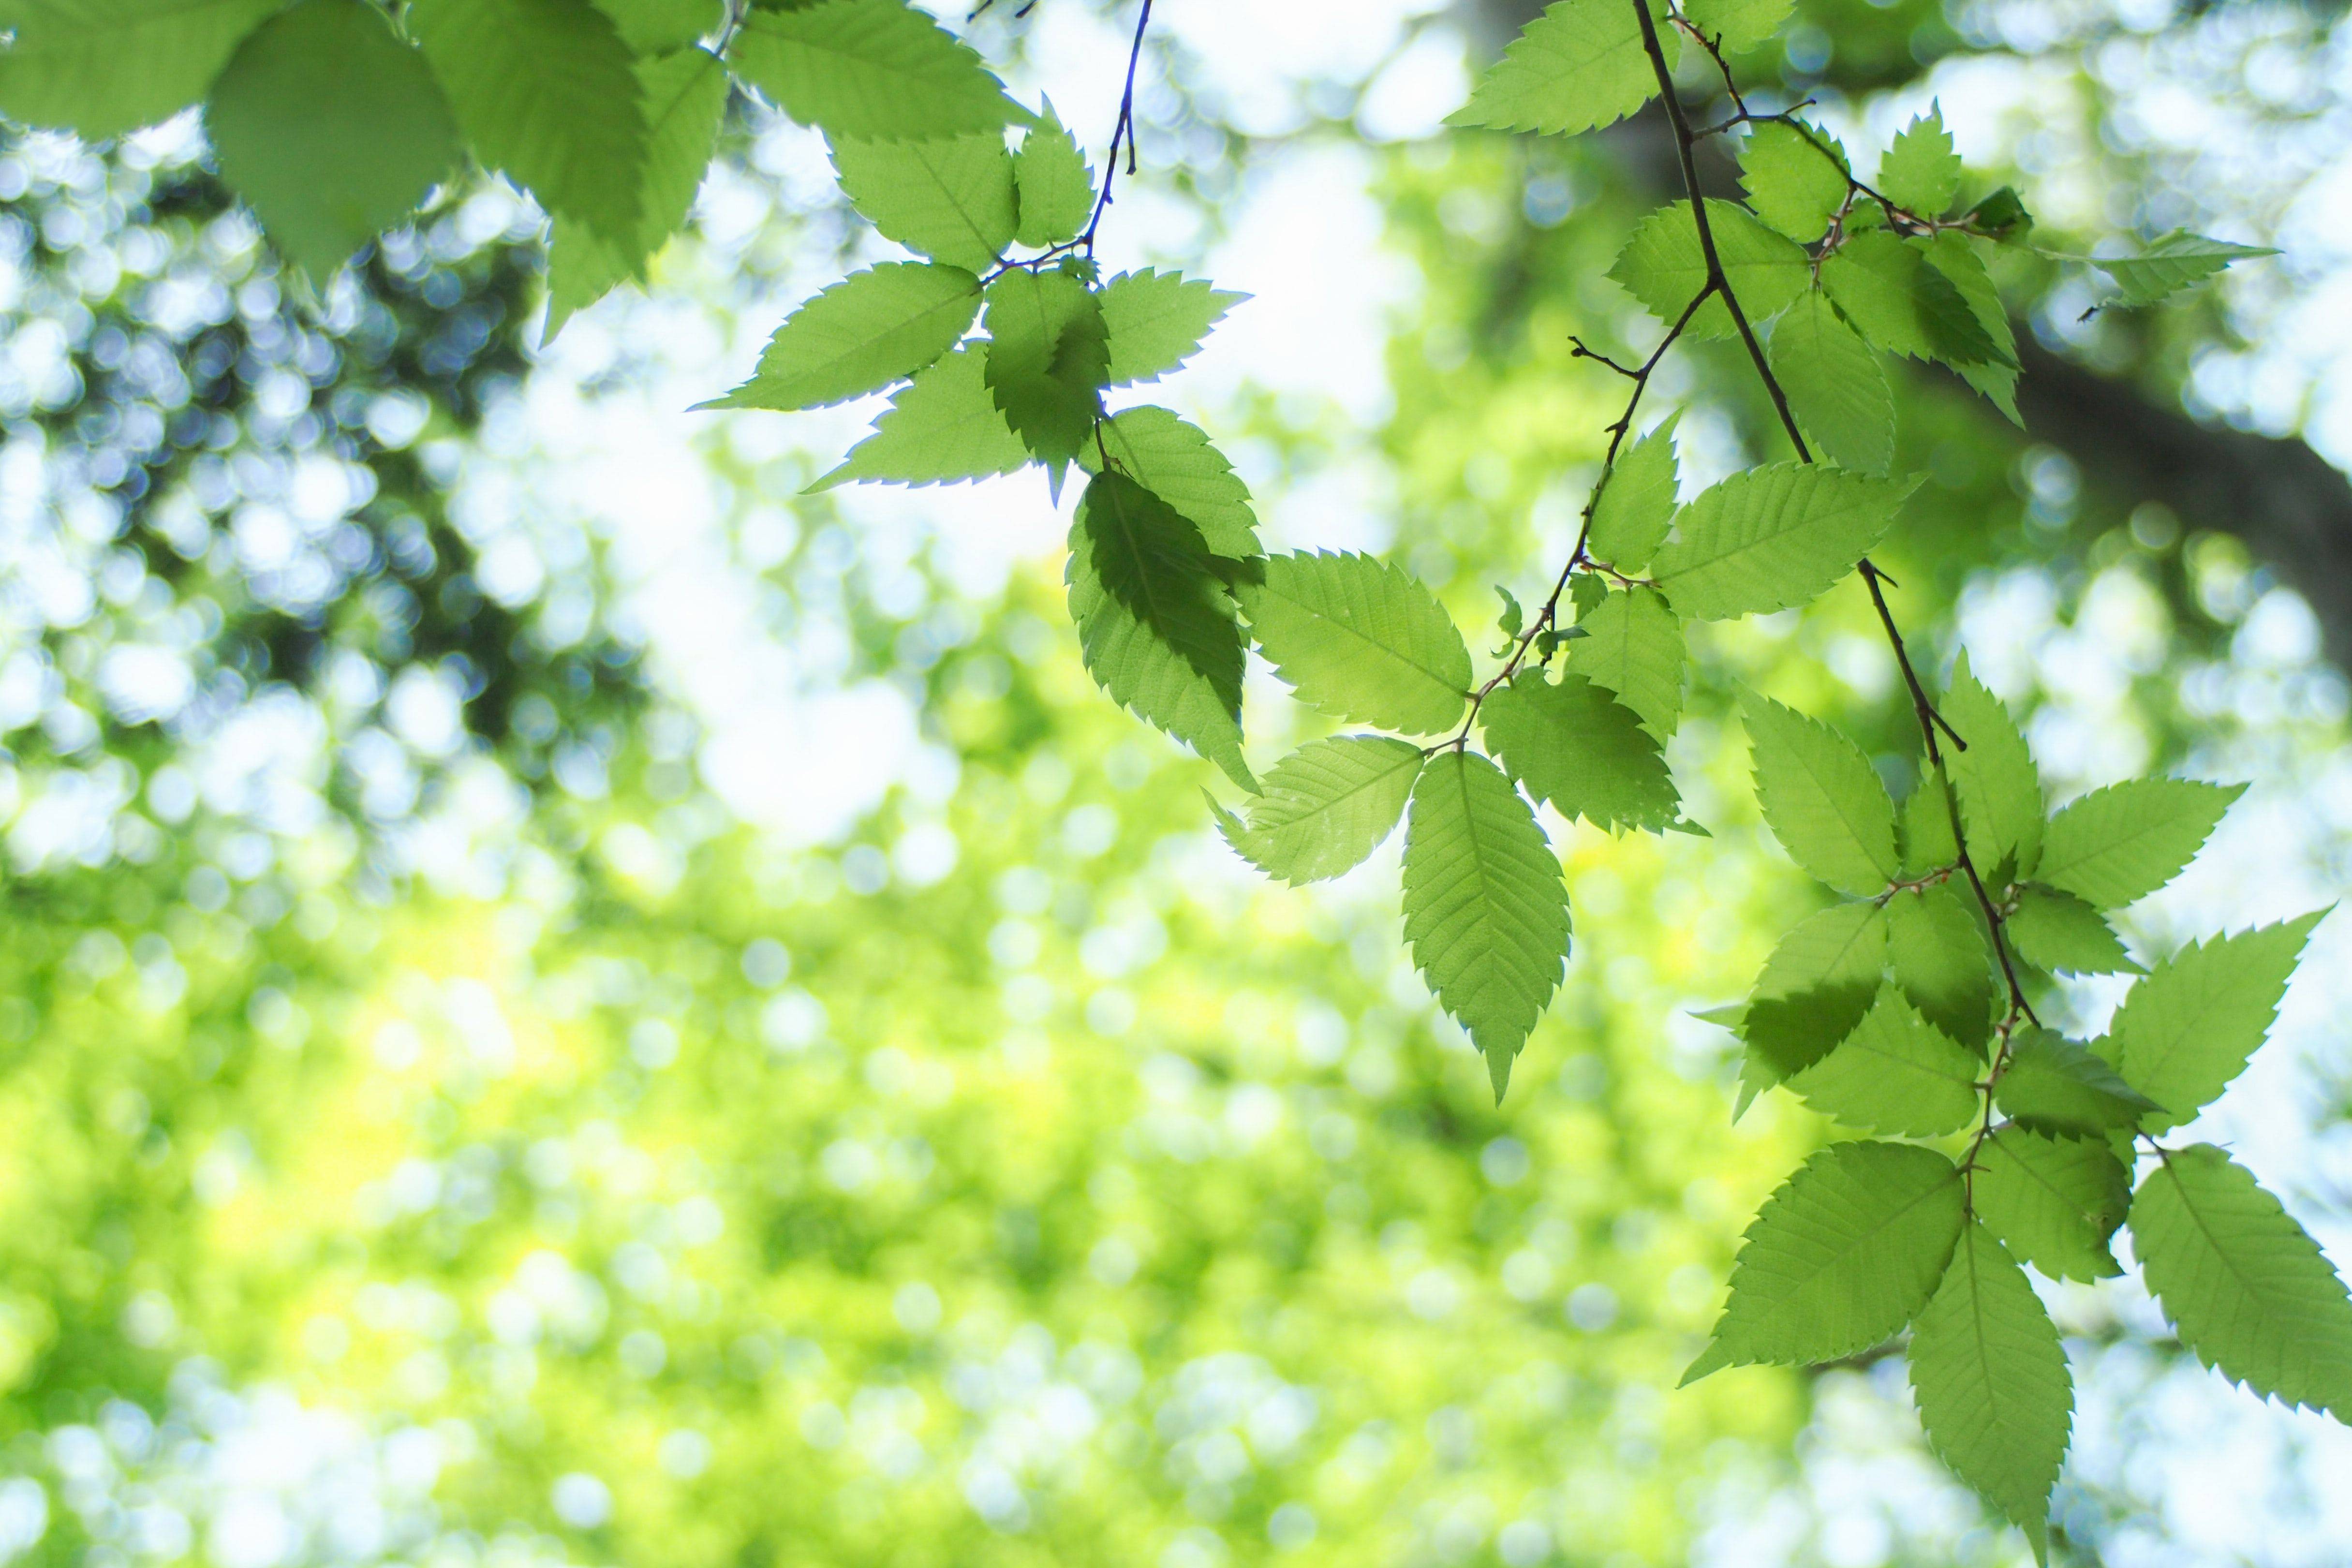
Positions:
{"x": 1326, "y": 807}
{"x": 1048, "y": 360}
{"x": 1836, "y": 386}
{"x": 1486, "y": 911}
{"x": 659, "y": 26}
{"x": 685, "y": 99}
{"x": 1574, "y": 744}
{"x": 2188, "y": 1029}
{"x": 1359, "y": 639}
{"x": 1792, "y": 180}
{"x": 1513, "y": 620}
{"x": 1820, "y": 980}
{"x": 878, "y": 70}
{"x": 1936, "y": 945}
{"x": 2064, "y": 935}
{"x": 100, "y": 68}
{"x": 1839, "y": 1257}
{"x": 860, "y": 335}
{"x": 1897, "y": 301}
{"x": 1056, "y": 190}
{"x": 1920, "y": 172}
{"x": 546, "y": 91}
{"x": 2166, "y": 266}
{"x": 1578, "y": 66}
{"x": 2250, "y": 1291}
{"x": 1737, "y": 26}
{"x": 1636, "y": 503}
{"x": 1821, "y": 797}
{"x": 1175, "y": 461}
{"x": 2054, "y": 1201}
{"x": 950, "y": 199}
{"x": 1773, "y": 537}
{"x": 2117, "y": 845}
{"x": 1663, "y": 266}
{"x": 331, "y": 129}
{"x": 2000, "y": 789}
{"x": 2054, "y": 1085}
{"x": 1157, "y": 320}
{"x": 1633, "y": 645}
{"x": 1156, "y": 628}
{"x": 2001, "y": 217}
{"x": 941, "y": 428}
{"x": 1991, "y": 1380}
{"x": 1894, "y": 1073}
{"x": 1995, "y": 379}
{"x": 1924, "y": 828}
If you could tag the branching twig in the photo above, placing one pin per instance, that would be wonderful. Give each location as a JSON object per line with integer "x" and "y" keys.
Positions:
{"x": 1930, "y": 720}
{"x": 1123, "y": 132}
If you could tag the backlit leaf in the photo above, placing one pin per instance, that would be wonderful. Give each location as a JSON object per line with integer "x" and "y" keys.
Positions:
{"x": 1737, "y": 26}
{"x": 2248, "y": 1290}
{"x": 2054, "y": 1085}
{"x": 1578, "y": 66}
{"x": 1921, "y": 172}
{"x": 1573, "y": 744}
{"x": 1837, "y": 388}
{"x": 2054, "y": 1201}
{"x": 1894, "y": 1073}
{"x": 1989, "y": 1377}
{"x": 1936, "y": 946}
{"x": 546, "y": 91}
{"x": 331, "y": 129}
{"x": 100, "y": 68}
{"x": 1633, "y": 645}
{"x": 1636, "y": 503}
{"x": 950, "y": 199}
{"x": 941, "y": 428}
{"x": 1821, "y": 797}
{"x": 2064, "y": 935}
{"x": 1663, "y": 266}
{"x": 1157, "y": 320}
{"x": 1790, "y": 179}
{"x": 2117, "y": 845}
{"x": 1326, "y": 806}
{"x": 1486, "y": 911}
{"x": 875, "y": 70}
{"x": 1048, "y": 359}
{"x": 1886, "y": 287}
{"x": 2000, "y": 789}
{"x": 1772, "y": 537}
{"x": 1056, "y": 189}
{"x": 2188, "y": 1029}
{"x": 860, "y": 335}
{"x": 1359, "y": 639}
{"x": 1839, "y": 1259}
{"x": 1175, "y": 461}
{"x": 2166, "y": 266}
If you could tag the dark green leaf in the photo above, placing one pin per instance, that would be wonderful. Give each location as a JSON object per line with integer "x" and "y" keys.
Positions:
{"x": 1820, "y": 980}
{"x": 1886, "y": 287}
{"x": 1936, "y": 943}
{"x": 1156, "y": 628}
{"x": 1175, "y": 461}
{"x": 100, "y": 68}
{"x": 1048, "y": 359}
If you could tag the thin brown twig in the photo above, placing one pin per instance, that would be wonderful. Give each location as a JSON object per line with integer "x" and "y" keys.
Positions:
{"x": 1929, "y": 720}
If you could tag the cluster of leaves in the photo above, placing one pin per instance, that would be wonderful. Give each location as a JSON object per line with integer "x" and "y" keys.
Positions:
{"x": 1904, "y": 1012}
